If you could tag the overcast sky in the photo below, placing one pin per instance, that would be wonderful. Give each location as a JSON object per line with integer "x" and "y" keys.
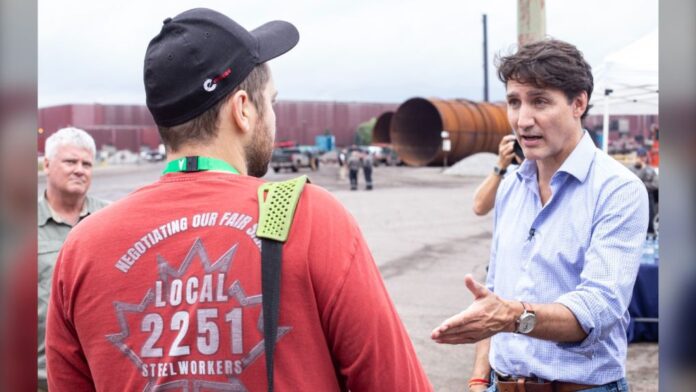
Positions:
{"x": 357, "y": 50}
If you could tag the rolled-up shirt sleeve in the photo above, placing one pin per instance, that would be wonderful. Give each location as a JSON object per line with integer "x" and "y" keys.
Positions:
{"x": 611, "y": 264}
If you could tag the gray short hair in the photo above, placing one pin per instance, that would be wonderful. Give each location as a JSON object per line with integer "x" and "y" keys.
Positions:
{"x": 69, "y": 136}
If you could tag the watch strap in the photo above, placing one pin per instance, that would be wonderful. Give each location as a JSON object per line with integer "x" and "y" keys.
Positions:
{"x": 499, "y": 171}
{"x": 519, "y": 319}
{"x": 526, "y": 309}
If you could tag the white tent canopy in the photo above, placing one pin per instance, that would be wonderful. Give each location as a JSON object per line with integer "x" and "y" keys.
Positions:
{"x": 631, "y": 73}
{"x": 630, "y": 77}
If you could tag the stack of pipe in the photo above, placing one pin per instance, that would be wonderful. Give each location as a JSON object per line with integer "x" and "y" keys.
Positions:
{"x": 380, "y": 133}
{"x": 415, "y": 129}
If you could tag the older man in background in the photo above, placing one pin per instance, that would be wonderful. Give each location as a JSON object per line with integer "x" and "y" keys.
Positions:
{"x": 68, "y": 166}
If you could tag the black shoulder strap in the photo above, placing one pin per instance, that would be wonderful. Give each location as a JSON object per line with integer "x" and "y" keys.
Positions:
{"x": 271, "y": 256}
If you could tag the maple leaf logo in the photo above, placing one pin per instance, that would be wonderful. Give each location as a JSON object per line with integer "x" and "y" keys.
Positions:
{"x": 167, "y": 274}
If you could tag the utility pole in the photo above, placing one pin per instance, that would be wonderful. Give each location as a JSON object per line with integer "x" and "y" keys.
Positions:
{"x": 605, "y": 122}
{"x": 531, "y": 21}
{"x": 485, "y": 58}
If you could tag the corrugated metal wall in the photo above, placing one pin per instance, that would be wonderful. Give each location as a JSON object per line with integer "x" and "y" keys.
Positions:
{"x": 130, "y": 126}
{"x": 303, "y": 120}
{"x": 122, "y": 126}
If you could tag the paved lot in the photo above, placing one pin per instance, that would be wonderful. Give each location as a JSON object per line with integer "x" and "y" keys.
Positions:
{"x": 424, "y": 238}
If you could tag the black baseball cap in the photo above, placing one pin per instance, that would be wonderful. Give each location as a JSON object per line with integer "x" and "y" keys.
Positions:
{"x": 200, "y": 56}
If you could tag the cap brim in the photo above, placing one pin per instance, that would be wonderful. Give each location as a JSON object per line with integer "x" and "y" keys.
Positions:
{"x": 275, "y": 38}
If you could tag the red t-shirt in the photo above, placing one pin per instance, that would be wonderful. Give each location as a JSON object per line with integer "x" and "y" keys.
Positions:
{"x": 163, "y": 290}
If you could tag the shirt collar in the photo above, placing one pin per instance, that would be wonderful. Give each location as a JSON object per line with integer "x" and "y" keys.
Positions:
{"x": 577, "y": 164}
{"x": 45, "y": 211}
{"x": 579, "y": 161}
{"x": 527, "y": 170}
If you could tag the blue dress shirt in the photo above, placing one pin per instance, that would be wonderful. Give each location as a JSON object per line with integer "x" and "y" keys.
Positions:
{"x": 582, "y": 249}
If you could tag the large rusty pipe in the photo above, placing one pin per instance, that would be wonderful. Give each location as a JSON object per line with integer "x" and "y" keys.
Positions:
{"x": 473, "y": 127}
{"x": 380, "y": 133}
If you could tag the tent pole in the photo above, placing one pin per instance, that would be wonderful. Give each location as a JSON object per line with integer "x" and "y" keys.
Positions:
{"x": 605, "y": 128}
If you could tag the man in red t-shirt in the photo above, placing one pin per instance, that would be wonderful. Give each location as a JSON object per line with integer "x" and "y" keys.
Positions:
{"x": 162, "y": 290}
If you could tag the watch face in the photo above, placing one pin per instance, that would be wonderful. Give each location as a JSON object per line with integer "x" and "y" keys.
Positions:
{"x": 527, "y": 321}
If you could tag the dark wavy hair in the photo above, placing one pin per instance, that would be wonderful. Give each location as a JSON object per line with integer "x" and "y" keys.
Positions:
{"x": 549, "y": 63}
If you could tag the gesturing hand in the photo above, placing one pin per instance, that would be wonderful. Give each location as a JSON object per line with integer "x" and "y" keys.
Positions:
{"x": 486, "y": 316}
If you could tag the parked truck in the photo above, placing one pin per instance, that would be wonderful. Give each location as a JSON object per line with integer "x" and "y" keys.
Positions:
{"x": 293, "y": 158}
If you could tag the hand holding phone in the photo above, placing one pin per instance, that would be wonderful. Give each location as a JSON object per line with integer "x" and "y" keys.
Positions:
{"x": 519, "y": 154}
{"x": 506, "y": 152}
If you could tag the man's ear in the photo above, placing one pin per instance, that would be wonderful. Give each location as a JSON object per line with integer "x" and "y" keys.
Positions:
{"x": 45, "y": 164}
{"x": 240, "y": 110}
{"x": 580, "y": 103}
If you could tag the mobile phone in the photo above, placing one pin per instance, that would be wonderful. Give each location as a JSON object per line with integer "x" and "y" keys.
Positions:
{"x": 518, "y": 151}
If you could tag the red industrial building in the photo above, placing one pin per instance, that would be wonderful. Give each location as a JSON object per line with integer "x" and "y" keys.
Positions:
{"x": 122, "y": 126}
{"x": 131, "y": 126}
{"x": 303, "y": 120}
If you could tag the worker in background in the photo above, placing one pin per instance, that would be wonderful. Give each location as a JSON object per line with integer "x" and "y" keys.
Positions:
{"x": 641, "y": 167}
{"x": 367, "y": 163}
{"x": 342, "y": 157}
{"x": 353, "y": 168}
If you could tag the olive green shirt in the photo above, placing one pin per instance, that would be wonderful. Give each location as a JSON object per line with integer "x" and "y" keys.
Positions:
{"x": 52, "y": 232}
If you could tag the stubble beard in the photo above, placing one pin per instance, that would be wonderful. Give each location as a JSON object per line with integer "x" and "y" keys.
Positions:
{"x": 258, "y": 152}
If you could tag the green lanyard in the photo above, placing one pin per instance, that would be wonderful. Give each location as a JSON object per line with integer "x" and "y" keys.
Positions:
{"x": 194, "y": 164}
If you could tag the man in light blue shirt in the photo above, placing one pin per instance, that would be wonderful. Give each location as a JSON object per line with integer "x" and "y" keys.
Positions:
{"x": 568, "y": 231}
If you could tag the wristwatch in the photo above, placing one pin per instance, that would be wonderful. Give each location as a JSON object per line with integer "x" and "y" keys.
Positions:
{"x": 525, "y": 323}
{"x": 499, "y": 171}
